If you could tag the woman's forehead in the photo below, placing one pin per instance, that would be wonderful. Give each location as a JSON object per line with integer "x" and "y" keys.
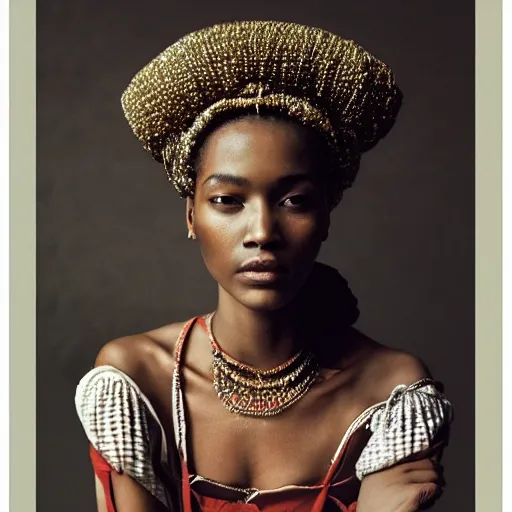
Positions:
{"x": 247, "y": 145}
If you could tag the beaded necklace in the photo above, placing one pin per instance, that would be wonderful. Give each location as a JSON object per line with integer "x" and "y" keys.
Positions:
{"x": 250, "y": 391}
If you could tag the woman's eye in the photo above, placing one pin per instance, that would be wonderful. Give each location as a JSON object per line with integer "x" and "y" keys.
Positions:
{"x": 226, "y": 201}
{"x": 296, "y": 200}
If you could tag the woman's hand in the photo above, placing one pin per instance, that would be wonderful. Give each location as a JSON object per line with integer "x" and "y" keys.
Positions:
{"x": 406, "y": 487}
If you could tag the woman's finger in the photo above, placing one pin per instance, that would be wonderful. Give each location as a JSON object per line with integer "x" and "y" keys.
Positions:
{"x": 426, "y": 493}
{"x": 429, "y": 501}
{"x": 417, "y": 465}
{"x": 424, "y": 476}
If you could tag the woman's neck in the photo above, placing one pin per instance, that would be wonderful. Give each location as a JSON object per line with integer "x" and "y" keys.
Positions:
{"x": 262, "y": 339}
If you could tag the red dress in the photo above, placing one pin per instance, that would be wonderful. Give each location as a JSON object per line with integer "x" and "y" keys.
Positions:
{"x": 109, "y": 402}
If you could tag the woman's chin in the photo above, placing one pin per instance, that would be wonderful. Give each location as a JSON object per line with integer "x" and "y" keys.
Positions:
{"x": 265, "y": 298}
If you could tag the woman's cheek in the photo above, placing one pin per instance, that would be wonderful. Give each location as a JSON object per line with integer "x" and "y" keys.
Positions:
{"x": 217, "y": 244}
{"x": 305, "y": 233}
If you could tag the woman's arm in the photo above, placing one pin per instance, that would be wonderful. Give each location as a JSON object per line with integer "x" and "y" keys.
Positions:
{"x": 126, "y": 495}
{"x": 118, "y": 466}
{"x": 407, "y": 487}
{"x": 130, "y": 496}
{"x": 100, "y": 496}
{"x": 410, "y": 479}
{"x": 412, "y": 485}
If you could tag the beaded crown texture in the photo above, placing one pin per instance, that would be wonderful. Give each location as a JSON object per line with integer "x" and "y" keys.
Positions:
{"x": 313, "y": 76}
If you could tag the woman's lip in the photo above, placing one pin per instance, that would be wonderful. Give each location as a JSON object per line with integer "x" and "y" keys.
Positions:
{"x": 261, "y": 276}
{"x": 259, "y": 265}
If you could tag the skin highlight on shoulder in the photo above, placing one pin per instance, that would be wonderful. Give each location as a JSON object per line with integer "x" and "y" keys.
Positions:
{"x": 147, "y": 358}
{"x": 368, "y": 370}
{"x": 387, "y": 368}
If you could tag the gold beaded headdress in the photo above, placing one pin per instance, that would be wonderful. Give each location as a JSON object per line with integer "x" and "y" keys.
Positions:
{"x": 315, "y": 77}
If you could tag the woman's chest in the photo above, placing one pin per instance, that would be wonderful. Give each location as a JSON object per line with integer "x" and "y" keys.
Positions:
{"x": 296, "y": 447}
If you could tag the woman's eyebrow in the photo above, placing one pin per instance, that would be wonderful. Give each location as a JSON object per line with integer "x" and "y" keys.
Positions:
{"x": 226, "y": 179}
{"x": 233, "y": 179}
{"x": 292, "y": 179}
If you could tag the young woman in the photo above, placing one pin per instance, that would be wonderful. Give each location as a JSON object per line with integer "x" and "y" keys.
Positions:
{"x": 272, "y": 402}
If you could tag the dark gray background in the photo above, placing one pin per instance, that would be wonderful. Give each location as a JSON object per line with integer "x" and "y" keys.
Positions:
{"x": 113, "y": 255}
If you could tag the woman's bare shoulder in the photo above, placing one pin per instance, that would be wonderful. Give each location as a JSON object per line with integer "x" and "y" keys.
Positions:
{"x": 142, "y": 356}
{"x": 382, "y": 368}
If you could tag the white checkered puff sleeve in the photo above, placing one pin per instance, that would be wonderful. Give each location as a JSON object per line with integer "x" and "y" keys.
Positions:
{"x": 407, "y": 424}
{"x": 119, "y": 425}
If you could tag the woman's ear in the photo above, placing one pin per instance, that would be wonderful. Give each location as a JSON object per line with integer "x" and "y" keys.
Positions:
{"x": 190, "y": 217}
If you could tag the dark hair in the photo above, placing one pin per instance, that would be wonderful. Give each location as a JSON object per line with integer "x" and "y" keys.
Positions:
{"x": 326, "y": 295}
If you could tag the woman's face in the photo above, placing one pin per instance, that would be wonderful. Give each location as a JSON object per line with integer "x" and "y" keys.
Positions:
{"x": 259, "y": 211}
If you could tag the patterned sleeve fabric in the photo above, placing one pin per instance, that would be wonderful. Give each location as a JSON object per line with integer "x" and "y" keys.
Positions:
{"x": 407, "y": 424}
{"x": 119, "y": 425}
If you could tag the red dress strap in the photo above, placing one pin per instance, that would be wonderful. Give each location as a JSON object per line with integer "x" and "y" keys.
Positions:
{"x": 324, "y": 492}
{"x": 178, "y": 349}
{"x": 103, "y": 471}
{"x": 186, "y": 491}
{"x": 179, "y": 419}
{"x": 201, "y": 321}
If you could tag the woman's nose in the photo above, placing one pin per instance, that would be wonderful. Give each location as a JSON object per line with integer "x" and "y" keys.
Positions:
{"x": 262, "y": 228}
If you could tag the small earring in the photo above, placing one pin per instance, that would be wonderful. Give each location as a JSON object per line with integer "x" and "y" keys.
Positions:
{"x": 191, "y": 235}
